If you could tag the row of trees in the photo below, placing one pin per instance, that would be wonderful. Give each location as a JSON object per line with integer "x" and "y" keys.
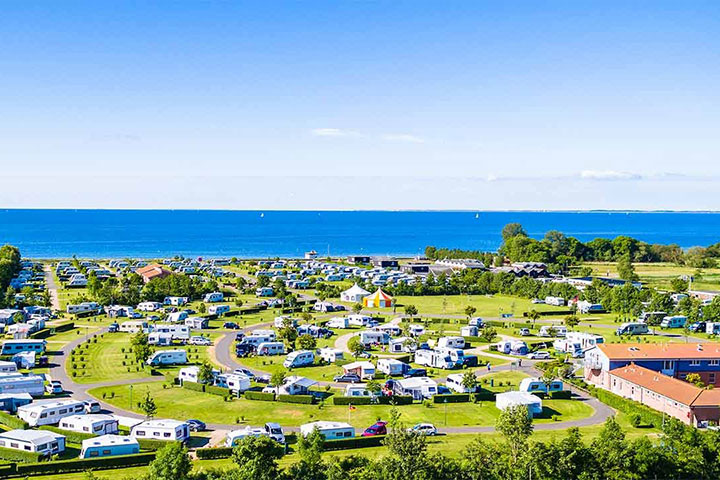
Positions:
{"x": 9, "y": 267}
{"x": 129, "y": 289}
{"x": 682, "y": 453}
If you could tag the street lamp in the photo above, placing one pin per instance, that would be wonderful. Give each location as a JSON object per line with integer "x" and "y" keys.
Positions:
{"x": 131, "y": 404}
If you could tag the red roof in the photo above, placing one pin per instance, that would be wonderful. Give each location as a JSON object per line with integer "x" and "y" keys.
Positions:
{"x": 670, "y": 351}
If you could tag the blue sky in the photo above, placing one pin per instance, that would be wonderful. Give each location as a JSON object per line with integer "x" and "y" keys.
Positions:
{"x": 361, "y": 104}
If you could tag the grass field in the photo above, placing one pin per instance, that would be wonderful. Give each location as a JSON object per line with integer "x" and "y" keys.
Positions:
{"x": 104, "y": 360}
{"x": 660, "y": 274}
{"x": 487, "y": 306}
{"x": 213, "y": 409}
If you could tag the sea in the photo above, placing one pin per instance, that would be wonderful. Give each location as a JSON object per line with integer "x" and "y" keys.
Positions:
{"x": 106, "y": 234}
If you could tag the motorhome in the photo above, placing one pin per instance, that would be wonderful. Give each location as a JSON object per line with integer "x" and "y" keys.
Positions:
{"x": 451, "y": 342}
{"x": 675, "y": 321}
{"x": 272, "y": 430}
{"x": 454, "y": 382}
{"x": 50, "y": 412}
{"x": 372, "y": 337}
{"x": 168, "y": 430}
{"x": 331, "y": 355}
{"x": 167, "y": 357}
{"x": 431, "y": 358}
{"x": 108, "y": 446}
{"x": 417, "y": 387}
{"x": 11, "y": 347}
{"x": 236, "y": 383}
{"x": 391, "y": 367}
{"x": 271, "y": 348}
{"x": 299, "y": 358}
{"x": 329, "y": 430}
{"x": 134, "y": 326}
{"x": 632, "y": 328}
{"x": 218, "y": 310}
{"x": 95, "y": 424}
{"x": 555, "y": 301}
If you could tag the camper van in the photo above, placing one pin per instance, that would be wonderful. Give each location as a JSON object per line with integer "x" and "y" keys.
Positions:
{"x": 329, "y": 430}
{"x": 218, "y": 310}
{"x": 271, "y": 348}
{"x": 675, "y": 321}
{"x": 451, "y": 342}
{"x": 167, "y": 357}
{"x": 432, "y": 358}
{"x": 632, "y": 328}
{"x": 272, "y": 430}
{"x": 50, "y": 412}
{"x": 391, "y": 366}
{"x": 300, "y": 358}
{"x": 455, "y": 383}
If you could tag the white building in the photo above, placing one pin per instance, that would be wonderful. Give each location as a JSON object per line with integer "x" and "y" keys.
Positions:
{"x": 170, "y": 430}
{"x": 109, "y": 445}
{"x": 39, "y": 441}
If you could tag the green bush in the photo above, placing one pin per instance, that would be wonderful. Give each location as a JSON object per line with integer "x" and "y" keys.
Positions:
{"x": 44, "y": 333}
{"x": 70, "y": 437}
{"x": 81, "y": 465}
{"x": 263, "y": 396}
{"x": 12, "y": 421}
{"x": 561, "y": 395}
{"x": 197, "y": 387}
{"x": 395, "y": 399}
{"x": 302, "y": 399}
{"x": 223, "y": 392}
{"x": 342, "y": 400}
{"x": 452, "y": 398}
{"x": 151, "y": 444}
{"x": 12, "y": 455}
{"x": 484, "y": 396}
{"x": 354, "y": 442}
{"x": 210, "y": 453}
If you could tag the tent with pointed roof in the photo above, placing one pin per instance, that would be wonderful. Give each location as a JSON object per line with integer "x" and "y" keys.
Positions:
{"x": 379, "y": 299}
{"x": 354, "y": 294}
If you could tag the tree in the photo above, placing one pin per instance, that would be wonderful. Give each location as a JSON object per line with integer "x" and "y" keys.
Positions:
{"x": 625, "y": 268}
{"x": 469, "y": 381}
{"x": 470, "y": 311}
{"x": 306, "y": 317}
{"x": 572, "y": 321}
{"x": 548, "y": 376}
{"x": 172, "y": 462}
{"x": 140, "y": 347}
{"x": 488, "y": 334}
{"x": 533, "y": 315}
{"x": 678, "y": 285}
{"x": 512, "y": 230}
{"x": 411, "y": 311}
{"x": 205, "y": 373}
{"x": 355, "y": 346}
{"x": 202, "y": 308}
{"x": 357, "y": 308}
{"x": 695, "y": 379}
{"x": 307, "y": 342}
{"x": 256, "y": 458}
{"x": 515, "y": 424}
{"x": 407, "y": 451}
{"x": 277, "y": 378}
{"x": 148, "y": 406}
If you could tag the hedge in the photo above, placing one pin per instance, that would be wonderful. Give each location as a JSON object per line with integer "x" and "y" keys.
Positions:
{"x": 625, "y": 405}
{"x": 210, "y": 453}
{"x": 12, "y": 421}
{"x": 197, "y": 387}
{"x": 354, "y": 442}
{"x": 70, "y": 437}
{"x": 81, "y": 465}
{"x": 212, "y": 389}
{"x": 44, "y": 333}
{"x": 302, "y": 399}
{"x": 484, "y": 396}
{"x": 151, "y": 444}
{"x": 12, "y": 455}
{"x": 452, "y": 398}
{"x": 342, "y": 400}
{"x": 64, "y": 327}
{"x": 7, "y": 470}
{"x": 264, "y": 396}
{"x": 561, "y": 395}
{"x": 396, "y": 399}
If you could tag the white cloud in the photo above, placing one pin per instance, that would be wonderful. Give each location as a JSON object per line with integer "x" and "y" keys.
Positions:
{"x": 333, "y": 132}
{"x": 402, "y": 137}
{"x": 608, "y": 175}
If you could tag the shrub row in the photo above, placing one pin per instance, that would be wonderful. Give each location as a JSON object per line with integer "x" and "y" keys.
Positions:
{"x": 13, "y": 455}
{"x": 81, "y": 465}
{"x": 70, "y": 437}
{"x": 354, "y": 442}
{"x": 343, "y": 400}
{"x": 484, "y": 396}
{"x": 12, "y": 421}
{"x": 395, "y": 399}
{"x": 625, "y": 405}
{"x": 210, "y": 453}
{"x": 64, "y": 327}
{"x": 452, "y": 398}
{"x": 194, "y": 386}
{"x": 44, "y": 333}
{"x": 264, "y": 396}
{"x": 302, "y": 399}
{"x": 213, "y": 390}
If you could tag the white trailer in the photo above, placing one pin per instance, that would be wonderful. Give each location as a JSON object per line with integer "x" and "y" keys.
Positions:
{"x": 96, "y": 424}
{"x": 134, "y": 326}
{"x": 271, "y": 348}
{"x": 534, "y": 385}
{"x": 555, "y": 301}
{"x": 338, "y": 322}
{"x": 256, "y": 340}
{"x": 632, "y": 328}
{"x": 16, "y": 382}
{"x": 49, "y": 412}
{"x": 360, "y": 321}
{"x": 11, "y": 347}
{"x": 168, "y": 430}
{"x": 455, "y": 383}
{"x": 299, "y": 358}
{"x": 372, "y": 337}
{"x": 451, "y": 342}
{"x": 329, "y": 430}
{"x": 431, "y": 358}
{"x": 331, "y": 355}
{"x": 235, "y": 382}
{"x": 176, "y": 331}
{"x": 197, "y": 323}
{"x": 149, "y": 306}
{"x": 218, "y": 310}
{"x": 108, "y": 446}
{"x": 271, "y": 429}
{"x": 391, "y": 366}
{"x": 167, "y": 357}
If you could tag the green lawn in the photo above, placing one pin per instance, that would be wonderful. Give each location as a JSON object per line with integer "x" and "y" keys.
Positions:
{"x": 104, "y": 360}
{"x": 213, "y": 409}
{"x": 275, "y": 363}
{"x": 660, "y": 274}
{"x": 487, "y": 306}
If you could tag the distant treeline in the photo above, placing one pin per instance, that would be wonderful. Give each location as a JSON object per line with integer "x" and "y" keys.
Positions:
{"x": 9, "y": 267}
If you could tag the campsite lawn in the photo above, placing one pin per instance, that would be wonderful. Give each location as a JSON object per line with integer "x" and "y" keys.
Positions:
{"x": 104, "y": 360}
{"x": 214, "y": 409}
{"x": 487, "y": 305}
{"x": 660, "y": 274}
{"x": 275, "y": 363}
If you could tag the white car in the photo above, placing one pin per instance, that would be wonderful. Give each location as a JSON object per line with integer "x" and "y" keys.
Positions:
{"x": 200, "y": 341}
{"x": 538, "y": 301}
{"x": 541, "y": 355}
{"x": 524, "y": 332}
{"x": 424, "y": 429}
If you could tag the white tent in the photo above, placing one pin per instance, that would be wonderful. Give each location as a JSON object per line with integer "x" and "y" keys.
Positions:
{"x": 511, "y": 399}
{"x": 354, "y": 294}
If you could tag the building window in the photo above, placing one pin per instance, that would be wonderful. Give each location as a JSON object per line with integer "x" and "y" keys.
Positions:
{"x": 669, "y": 365}
{"x": 714, "y": 363}
{"x": 711, "y": 378}
{"x": 694, "y": 363}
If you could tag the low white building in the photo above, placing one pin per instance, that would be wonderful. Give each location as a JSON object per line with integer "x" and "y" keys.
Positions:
{"x": 169, "y": 430}
{"x": 39, "y": 441}
{"x": 108, "y": 446}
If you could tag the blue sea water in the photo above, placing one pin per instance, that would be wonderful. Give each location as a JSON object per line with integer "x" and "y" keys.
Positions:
{"x": 159, "y": 233}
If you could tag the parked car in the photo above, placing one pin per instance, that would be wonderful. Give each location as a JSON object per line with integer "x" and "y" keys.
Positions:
{"x": 443, "y": 390}
{"x": 424, "y": 429}
{"x": 263, "y": 378}
{"x": 200, "y": 341}
{"x": 538, "y": 301}
{"x": 697, "y": 327}
{"x": 524, "y": 332}
{"x": 415, "y": 372}
{"x": 244, "y": 349}
{"x": 239, "y": 336}
{"x": 347, "y": 378}
{"x": 196, "y": 425}
{"x": 113, "y": 327}
{"x": 91, "y": 406}
{"x": 379, "y": 428}
{"x": 231, "y": 325}
{"x": 539, "y": 355}
{"x": 54, "y": 387}
{"x": 244, "y": 371}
